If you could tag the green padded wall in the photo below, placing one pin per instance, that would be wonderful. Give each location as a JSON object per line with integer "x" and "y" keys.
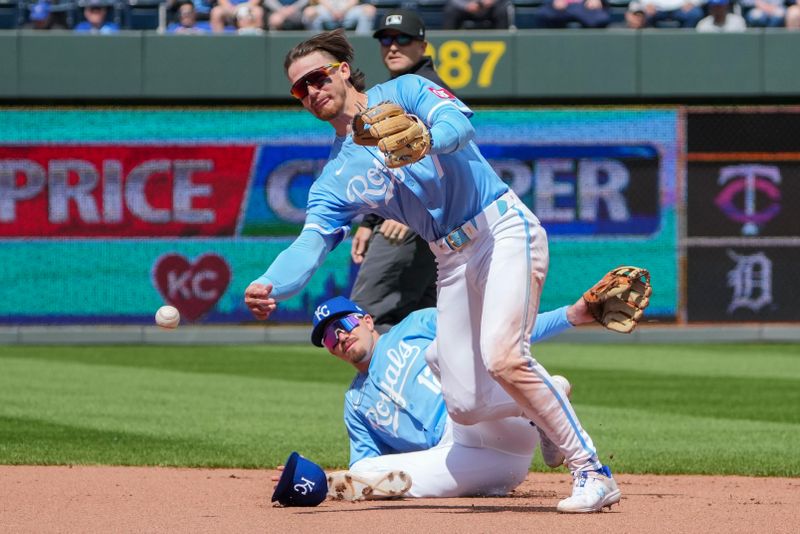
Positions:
{"x": 685, "y": 63}
{"x": 487, "y": 65}
{"x": 8, "y": 61}
{"x": 65, "y": 65}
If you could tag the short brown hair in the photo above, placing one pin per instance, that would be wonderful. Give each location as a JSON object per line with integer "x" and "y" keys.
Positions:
{"x": 335, "y": 44}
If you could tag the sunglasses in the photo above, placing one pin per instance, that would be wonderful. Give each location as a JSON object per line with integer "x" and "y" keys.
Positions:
{"x": 316, "y": 77}
{"x": 401, "y": 39}
{"x": 346, "y": 324}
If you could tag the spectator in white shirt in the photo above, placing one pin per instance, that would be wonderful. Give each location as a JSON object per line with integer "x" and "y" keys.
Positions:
{"x": 667, "y": 13}
{"x": 720, "y": 19}
{"x": 761, "y": 13}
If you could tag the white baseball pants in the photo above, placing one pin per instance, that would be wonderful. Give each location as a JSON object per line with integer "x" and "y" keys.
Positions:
{"x": 488, "y": 298}
{"x": 489, "y": 458}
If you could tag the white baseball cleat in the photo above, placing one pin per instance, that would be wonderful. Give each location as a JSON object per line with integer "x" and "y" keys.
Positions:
{"x": 551, "y": 454}
{"x": 348, "y": 486}
{"x": 591, "y": 492}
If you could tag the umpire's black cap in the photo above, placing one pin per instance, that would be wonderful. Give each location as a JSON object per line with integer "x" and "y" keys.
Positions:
{"x": 404, "y": 21}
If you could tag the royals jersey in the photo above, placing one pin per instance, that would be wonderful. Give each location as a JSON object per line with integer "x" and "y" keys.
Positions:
{"x": 397, "y": 405}
{"x": 433, "y": 196}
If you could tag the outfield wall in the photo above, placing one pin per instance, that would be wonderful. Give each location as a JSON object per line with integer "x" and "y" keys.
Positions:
{"x": 487, "y": 65}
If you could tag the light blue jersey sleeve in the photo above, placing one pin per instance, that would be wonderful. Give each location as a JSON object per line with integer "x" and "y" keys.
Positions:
{"x": 293, "y": 268}
{"x": 363, "y": 442}
{"x": 427, "y": 320}
{"x": 550, "y": 324}
{"x": 445, "y": 115}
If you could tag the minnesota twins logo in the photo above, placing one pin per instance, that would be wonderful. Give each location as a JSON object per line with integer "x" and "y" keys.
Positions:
{"x": 751, "y": 281}
{"x": 749, "y": 180}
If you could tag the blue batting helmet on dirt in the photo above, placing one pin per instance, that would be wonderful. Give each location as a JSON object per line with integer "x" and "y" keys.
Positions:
{"x": 302, "y": 483}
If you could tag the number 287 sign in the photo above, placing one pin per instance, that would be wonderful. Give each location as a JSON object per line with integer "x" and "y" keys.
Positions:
{"x": 460, "y": 63}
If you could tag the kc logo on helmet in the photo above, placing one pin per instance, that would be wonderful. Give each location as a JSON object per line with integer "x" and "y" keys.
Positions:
{"x": 321, "y": 312}
{"x": 306, "y": 487}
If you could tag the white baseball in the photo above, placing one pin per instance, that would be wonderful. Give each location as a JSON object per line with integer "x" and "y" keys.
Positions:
{"x": 168, "y": 317}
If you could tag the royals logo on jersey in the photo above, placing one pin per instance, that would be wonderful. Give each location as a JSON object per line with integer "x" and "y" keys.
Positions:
{"x": 399, "y": 365}
{"x": 376, "y": 185}
{"x": 442, "y": 93}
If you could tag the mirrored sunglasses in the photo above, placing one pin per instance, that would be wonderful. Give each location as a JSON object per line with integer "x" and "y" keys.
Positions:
{"x": 347, "y": 323}
{"x": 316, "y": 77}
{"x": 401, "y": 39}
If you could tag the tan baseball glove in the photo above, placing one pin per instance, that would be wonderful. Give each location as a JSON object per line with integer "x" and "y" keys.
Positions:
{"x": 619, "y": 299}
{"x": 402, "y": 138}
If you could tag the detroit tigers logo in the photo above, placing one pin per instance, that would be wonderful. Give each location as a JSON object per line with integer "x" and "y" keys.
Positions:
{"x": 751, "y": 281}
{"x": 376, "y": 186}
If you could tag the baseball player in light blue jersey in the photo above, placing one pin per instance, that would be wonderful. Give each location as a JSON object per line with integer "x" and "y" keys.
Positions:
{"x": 395, "y": 413}
{"x": 491, "y": 251}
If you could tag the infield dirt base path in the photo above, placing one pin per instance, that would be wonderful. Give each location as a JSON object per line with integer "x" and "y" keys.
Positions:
{"x": 136, "y": 499}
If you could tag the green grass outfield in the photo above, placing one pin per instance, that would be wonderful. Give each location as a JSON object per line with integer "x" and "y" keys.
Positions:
{"x": 722, "y": 409}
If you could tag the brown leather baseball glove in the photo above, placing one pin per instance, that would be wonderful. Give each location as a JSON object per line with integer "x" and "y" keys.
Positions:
{"x": 402, "y": 138}
{"x": 619, "y": 299}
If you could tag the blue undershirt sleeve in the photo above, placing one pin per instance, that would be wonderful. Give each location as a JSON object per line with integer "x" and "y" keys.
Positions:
{"x": 550, "y": 324}
{"x": 293, "y": 268}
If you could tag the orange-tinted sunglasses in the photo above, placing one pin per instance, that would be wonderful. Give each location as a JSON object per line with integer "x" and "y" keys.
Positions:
{"x": 316, "y": 77}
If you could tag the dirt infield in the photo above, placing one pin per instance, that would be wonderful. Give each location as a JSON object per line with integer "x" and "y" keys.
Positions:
{"x": 134, "y": 499}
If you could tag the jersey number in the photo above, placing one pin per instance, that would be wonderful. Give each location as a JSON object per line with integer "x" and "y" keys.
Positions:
{"x": 427, "y": 379}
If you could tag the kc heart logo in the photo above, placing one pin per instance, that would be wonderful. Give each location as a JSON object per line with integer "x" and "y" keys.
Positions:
{"x": 193, "y": 288}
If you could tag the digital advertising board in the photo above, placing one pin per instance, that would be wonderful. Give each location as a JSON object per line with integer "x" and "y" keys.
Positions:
{"x": 115, "y": 211}
{"x": 743, "y": 233}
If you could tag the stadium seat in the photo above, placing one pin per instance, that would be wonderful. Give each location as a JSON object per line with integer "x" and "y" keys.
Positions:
{"x": 141, "y": 14}
{"x": 386, "y": 4}
{"x": 617, "y": 10}
{"x": 525, "y": 13}
{"x": 431, "y": 13}
{"x": 66, "y": 12}
{"x": 617, "y": 16}
{"x": 11, "y": 14}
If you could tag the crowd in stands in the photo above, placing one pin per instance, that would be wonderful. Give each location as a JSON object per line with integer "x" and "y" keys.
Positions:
{"x": 256, "y": 17}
